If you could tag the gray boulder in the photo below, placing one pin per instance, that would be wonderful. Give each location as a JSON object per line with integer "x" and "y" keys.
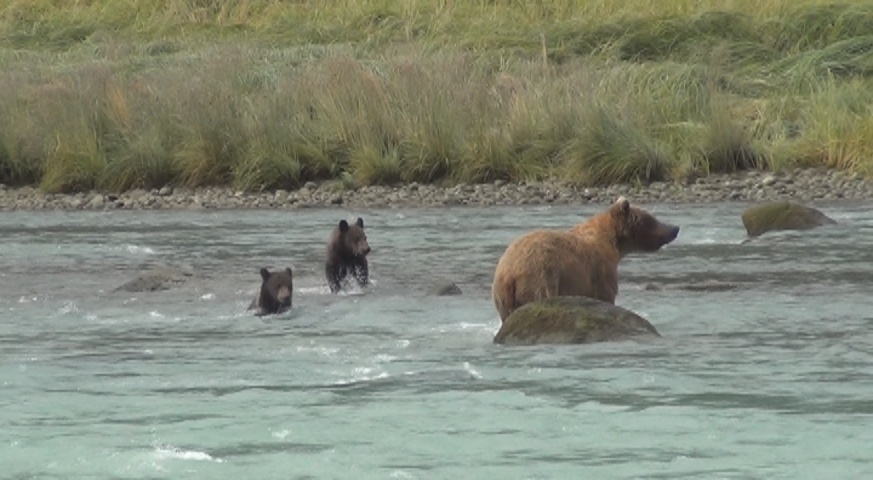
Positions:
{"x": 783, "y": 215}
{"x": 572, "y": 320}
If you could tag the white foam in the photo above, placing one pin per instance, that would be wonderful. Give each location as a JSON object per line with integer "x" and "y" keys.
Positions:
{"x": 156, "y": 314}
{"x": 711, "y": 240}
{"x": 138, "y": 250}
{"x": 384, "y": 357}
{"x": 362, "y": 374}
{"x": 207, "y": 296}
{"x": 170, "y": 452}
{"x": 322, "y": 351}
{"x": 349, "y": 291}
{"x": 472, "y": 371}
{"x": 465, "y": 326}
{"x": 473, "y": 326}
{"x": 322, "y": 290}
{"x": 350, "y": 288}
{"x": 703, "y": 241}
{"x": 70, "y": 307}
{"x": 281, "y": 434}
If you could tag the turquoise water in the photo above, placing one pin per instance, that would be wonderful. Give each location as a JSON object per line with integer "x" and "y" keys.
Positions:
{"x": 771, "y": 380}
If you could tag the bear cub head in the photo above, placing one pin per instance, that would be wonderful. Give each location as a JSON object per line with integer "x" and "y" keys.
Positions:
{"x": 276, "y": 291}
{"x": 352, "y": 241}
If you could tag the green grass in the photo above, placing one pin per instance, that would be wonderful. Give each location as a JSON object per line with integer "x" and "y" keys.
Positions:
{"x": 268, "y": 94}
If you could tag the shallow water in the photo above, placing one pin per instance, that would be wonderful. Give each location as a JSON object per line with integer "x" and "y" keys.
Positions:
{"x": 771, "y": 380}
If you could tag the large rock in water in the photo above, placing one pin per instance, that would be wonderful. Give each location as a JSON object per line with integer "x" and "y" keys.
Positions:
{"x": 571, "y": 320}
{"x": 775, "y": 216}
{"x": 157, "y": 279}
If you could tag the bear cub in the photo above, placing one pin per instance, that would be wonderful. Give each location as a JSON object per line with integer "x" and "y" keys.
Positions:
{"x": 276, "y": 291}
{"x": 347, "y": 250}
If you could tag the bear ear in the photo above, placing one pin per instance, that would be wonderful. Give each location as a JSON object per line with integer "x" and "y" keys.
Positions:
{"x": 623, "y": 205}
{"x": 288, "y": 270}
{"x": 360, "y": 222}
{"x": 265, "y": 274}
{"x": 343, "y": 226}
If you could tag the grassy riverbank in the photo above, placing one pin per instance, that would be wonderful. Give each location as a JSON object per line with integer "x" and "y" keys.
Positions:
{"x": 263, "y": 94}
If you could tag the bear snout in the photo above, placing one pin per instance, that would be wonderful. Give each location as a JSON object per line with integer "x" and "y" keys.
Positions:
{"x": 666, "y": 234}
{"x": 284, "y": 295}
{"x": 365, "y": 250}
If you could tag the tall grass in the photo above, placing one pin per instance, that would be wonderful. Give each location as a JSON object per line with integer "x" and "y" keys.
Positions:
{"x": 266, "y": 94}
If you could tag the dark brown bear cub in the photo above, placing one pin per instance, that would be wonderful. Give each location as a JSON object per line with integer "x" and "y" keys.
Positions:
{"x": 276, "y": 292}
{"x": 347, "y": 251}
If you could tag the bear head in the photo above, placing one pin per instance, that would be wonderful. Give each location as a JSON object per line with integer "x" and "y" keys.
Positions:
{"x": 276, "y": 291}
{"x": 637, "y": 230}
{"x": 353, "y": 239}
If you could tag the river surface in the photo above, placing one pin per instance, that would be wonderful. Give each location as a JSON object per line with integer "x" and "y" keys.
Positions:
{"x": 773, "y": 379}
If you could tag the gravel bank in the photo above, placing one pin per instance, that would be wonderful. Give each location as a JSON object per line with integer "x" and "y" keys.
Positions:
{"x": 801, "y": 185}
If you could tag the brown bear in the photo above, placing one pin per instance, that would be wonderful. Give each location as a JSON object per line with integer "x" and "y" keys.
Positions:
{"x": 347, "y": 250}
{"x": 276, "y": 291}
{"x": 581, "y": 261}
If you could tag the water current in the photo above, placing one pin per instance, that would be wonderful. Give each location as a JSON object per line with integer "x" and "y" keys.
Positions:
{"x": 771, "y": 379}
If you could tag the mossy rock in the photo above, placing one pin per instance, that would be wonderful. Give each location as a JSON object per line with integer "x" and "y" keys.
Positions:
{"x": 572, "y": 320}
{"x": 776, "y": 216}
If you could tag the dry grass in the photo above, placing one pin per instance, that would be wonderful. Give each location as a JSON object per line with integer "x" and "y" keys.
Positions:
{"x": 265, "y": 94}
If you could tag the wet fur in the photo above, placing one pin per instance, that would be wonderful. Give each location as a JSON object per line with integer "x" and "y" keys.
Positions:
{"x": 277, "y": 289}
{"x": 346, "y": 255}
{"x": 581, "y": 261}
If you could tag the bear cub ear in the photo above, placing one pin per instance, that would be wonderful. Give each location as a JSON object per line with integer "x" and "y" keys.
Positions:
{"x": 265, "y": 274}
{"x": 343, "y": 226}
{"x": 360, "y": 222}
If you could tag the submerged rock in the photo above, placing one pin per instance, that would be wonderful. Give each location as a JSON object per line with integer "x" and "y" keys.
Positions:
{"x": 703, "y": 286}
{"x": 572, "y": 320}
{"x": 784, "y": 215}
{"x": 447, "y": 289}
{"x": 158, "y": 279}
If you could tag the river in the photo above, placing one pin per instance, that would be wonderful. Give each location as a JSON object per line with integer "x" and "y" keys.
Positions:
{"x": 771, "y": 379}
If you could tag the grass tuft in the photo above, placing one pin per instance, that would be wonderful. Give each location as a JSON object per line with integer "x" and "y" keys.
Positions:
{"x": 608, "y": 151}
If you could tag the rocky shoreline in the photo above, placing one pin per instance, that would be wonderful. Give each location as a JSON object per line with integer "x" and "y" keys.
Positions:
{"x": 800, "y": 185}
